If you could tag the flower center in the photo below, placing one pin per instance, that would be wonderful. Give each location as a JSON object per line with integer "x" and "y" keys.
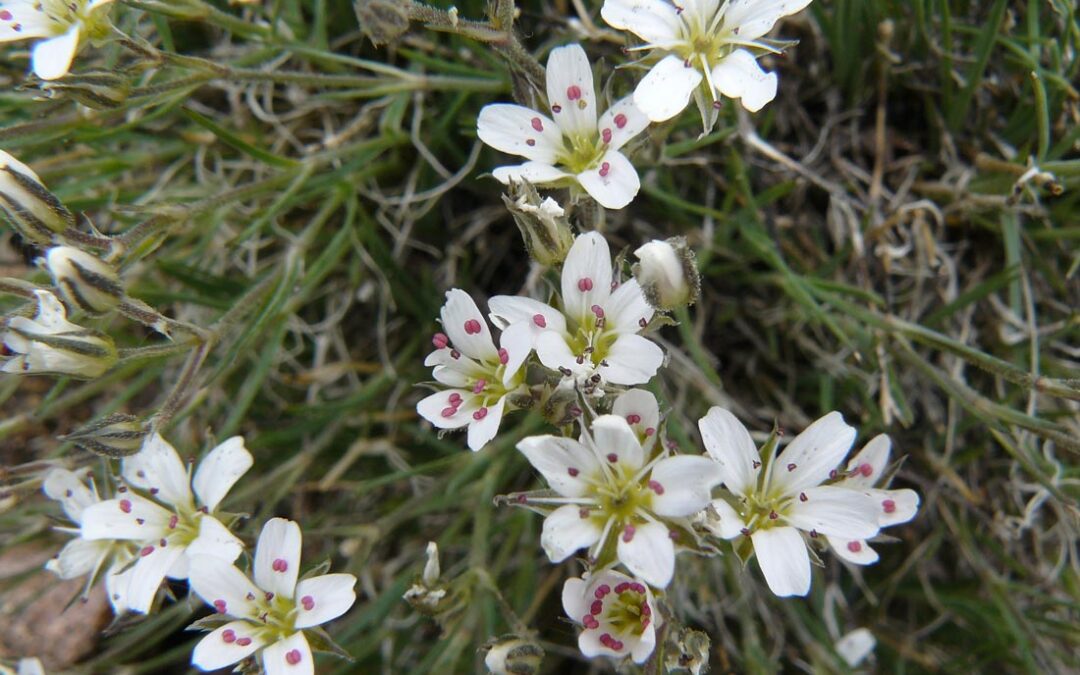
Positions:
{"x": 581, "y": 153}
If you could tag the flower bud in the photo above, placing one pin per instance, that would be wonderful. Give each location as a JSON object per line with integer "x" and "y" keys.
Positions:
{"x": 115, "y": 436}
{"x": 50, "y": 344}
{"x": 543, "y": 224}
{"x": 383, "y": 21}
{"x": 431, "y": 567}
{"x": 34, "y": 211}
{"x": 512, "y": 655}
{"x": 100, "y": 90}
{"x": 85, "y": 281}
{"x": 667, "y": 273}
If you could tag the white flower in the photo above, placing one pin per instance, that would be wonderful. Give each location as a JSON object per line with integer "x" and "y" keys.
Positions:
{"x": 29, "y": 666}
{"x": 177, "y": 523}
{"x": 894, "y": 506}
{"x": 774, "y": 497}
{"x": 80, "y": 556}
{"x": 596, "y": 333}
{"x": 572, "y": 147}
{"x": 271, "y": 613}
{"x": 618, "y": 613}
{"x": 708, "y": 41}
{"x": 59, "y": 25}
{"x": 50, "y": 344}
{"x": 855, "y": 646}
{"x": 667, "y": 273}
{"x": 480, "y": 376}
{"x": 615, "y": 500}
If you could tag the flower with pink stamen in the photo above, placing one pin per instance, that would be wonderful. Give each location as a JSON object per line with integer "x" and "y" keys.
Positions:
{"x": 617, "y": 614}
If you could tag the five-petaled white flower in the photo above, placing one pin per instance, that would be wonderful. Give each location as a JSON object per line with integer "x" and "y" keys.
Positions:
{"x": 894, "y": 506}
{"x": 615, "y": 497}
{"x": 572, "y": 147}
{"x": 271, "y": 613}
{"x": 88, "y": 557}
{"x": 480, "y": 376}
{"x": 59, "y": 26}
{"x": 595, "y": 336}
{"x": 618, "y": 614}
{"x": 706, "y": 42}
{"x": 175, "y": 525}
{"x": 50, "y": 344}
{"x": 773, "y": 497}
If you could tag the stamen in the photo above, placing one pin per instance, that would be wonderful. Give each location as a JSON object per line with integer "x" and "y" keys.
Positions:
{"x": 455, "y": 354}
{"x": 573, "y": 92}
{"x": 220, "y": 606}
{"x": 530, "y": 142}
{"x": 473, "y": 327}
{"x": 243, "y": 642}
{"x": 269, "y": 596}
{"x": 308, "y": 602}
{"x": 792, "y": 466}
{"x": 173, "y": 521}
{"x": 280, "y": 565}
{"x": 866, "y": 470}
{"x": 642, "y": 322}
{"x": 854, "y": 546}
{"x": 572, "y": 471}
{"x": 650, "y": 431}
{"x": 556, "y": 108}
{"x": 584, "y": 284}
{"x": 605, "y": 169}
{"x": 601, "y": 591}
{"x": 620, "y": 120}
{"x": 293, "y": 657}
{"x": 656, "y": 487}
{"x": 539, "y": 320}
{"x": 440, "y": 340}
{"x": 537, "y": 124}
{"x": 449, "y": 412}
{"x": 590, "y": 622}
{"x": 228, "y": 636}
{"x": 598, "y": 311}
{"x": 606, "y": 135}
{"x": 888, "y": 505}
{"x": 455, "y": 399}
{"x": 628, "y": 533}
{"x": 773, "y": 515}
{"x": 479, "y": 386}
{"x": 612, "y": 457}
{"x": 633, "y": 418}
{"x": 596, "y": 607}
{"x": 125, "y": 505}
{"x": 504, "y": 356}
{"x": 480, "y": 414}
{"x": 803, "y": 497}
{"x": 147, "y": 550}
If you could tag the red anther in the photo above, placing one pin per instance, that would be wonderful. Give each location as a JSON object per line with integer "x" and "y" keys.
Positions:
{"x": 228, "y": 636}
{"x": 480, "y": 414}
{"x": 854, "y": 546}
{"x": 504, "y": 356}
{"x": 449, "y": 412}
{"x": 833, "y": 474}
{"x": 622, "y": 587}
{"x": 269, "y": 596}
{"x": 620, "y": 120}
{"x": 813, "y": 534}
{"x": 522, "y": 499}
{"x": 673, "y": 535}
{"x": 243, "y": 642}
{"x": 612, "y": 457}
{"x": 293, "y": 657}
{"x": 220, "y": 606}
{"x": 605, "y": 169}
{"x": 163, "y": 542}
{"x": 645, "y": 609}
{"x": 601, "y": 591}
{"x": 174, "y": 520}
{"x": 656, "y": 487}
{"x": 473, "y": 327}
{"x": 773, "y": 515}
{"x": 888, "y": 505}
{"x": 146, "y": 550}
{"x": 308, "y": 602}
{"x": 556, "y": 108}
{"x": 803, "y": 497}
{"x": 598, "y": 311}
{"x": 866, "y": 470}
{"x": 440, "y": 340}
{"x": 140, "y": 521}
{"x": 455, "y": 354}
{"x": 628, "y": 533}
{"x": 583, "y": 512}
{"x": 584, "y": 284}
{"x": 606, "y": 135}
{"x": 280, "y": 565}
{"x": 637, "y": 587}
{"x": 154, "y": 491}
{"x": 573, "y": 92}
{"x": 539, "y": 320}
{"x": 537, "y": 124}
{"x": 455, "y": 399}
{"x": 5, "y": 15}
{"x": 125, "y": 505}
{"x": 572, "y": 471}
{"x": 757, "y": 464}
{"x": 642, "y": 322}
{"x": 633, "y": 418}
{"x": 530, "y": 142}
{"x": 791, "y": 467}
{"x": 650, "y": 431}
{"x": 479, "y": 386}
{"x": 590, "y": 622}
{"x": 596, "y": 607}
{"x": 745, "y": 532}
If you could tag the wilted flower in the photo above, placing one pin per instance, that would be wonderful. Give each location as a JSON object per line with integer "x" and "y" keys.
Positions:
{"x": 177, "y": 524}
{"x": 596, "y": 332}
{"x": 271, "y": 614}
{"x": 34, "y": 211}
{"x": 80, "y": 556}
{"x": 60, "y": 25}
{"x": 774, "y": 497}
{"x": 86, "y": 281}
{"x": 705, "y": 42}
{"x": 480, "y": 377}
{"x": 50, "y": 344}
{"x": 618, "y": 614}
{"x": 513, "y": 655}
{"x": 543, "y": 224}
{"x": 573, "y": 147}
{"x": 855, "y": 646}
{"x": 667, "y": 273}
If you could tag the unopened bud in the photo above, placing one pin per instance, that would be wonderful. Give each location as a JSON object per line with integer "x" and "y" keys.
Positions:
{"x": 50, "y": 344}
{"x": 431, "y": 567}
{"x": 667, "y": 273}
{"x": 34, "y": 211}
{"x": 114, "y": 436}
{"x": 100, "y": 90}
{"x": 383, "y": 21}
{"x": 543, "y": 224}
{"x": 512, "y": 655}
{"x": 85, "y": 281}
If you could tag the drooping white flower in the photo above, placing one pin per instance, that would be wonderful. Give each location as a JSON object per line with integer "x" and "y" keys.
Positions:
{"x": 573, "y": 146}
{"x": 176, "y": 523}
{"x": 270, "y": 615}
{"x": 776, "y": 498}
{"x": 596, "y": 332}
{"x": 618, "y": 614}
{"x": 34, "y": 211}
{"x": 894, "y": 506}
{"x": 50, "y": 344}
{"x": 479, "y": 377}
{"x": 705, "y": 43}
{"x": 85, "y": 281}
{"x": 59, "y": 26}
{"x": 613, "y": 497}
{"x": 80, "y": 556}
{"x": 667, "y": 272}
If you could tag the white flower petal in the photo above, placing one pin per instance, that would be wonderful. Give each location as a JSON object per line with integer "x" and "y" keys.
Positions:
{"x": 855, "y": 551}
{"x": 451, "y": 377}
{"x": 218, "y": 651}
{"x": 576, "y": 598}
{"x": 52, "y": 57}
{"x": 156, "y": 467}
{"x": 813, "y": 454}
{"x": 639, "y": 408}
{"x": 215, "y": 540}
{"x": 643, "y": 646}
{"x": 894, "y": 506}
{"x": 78, "y": 557}
{"x": 129, "y": 517}
{"x": 632, "y": 359}
{"x": 570, "y": 91}
{"x": 291, "y": 656}
{"x": 509, "y": 128}
{"x": 855, "y": 646}
{"x": 615, "y": 440}
{"x": 277, "y": 557}
{"x": 223, "y": 587}
{"x": 738, "y": 75}
{"x": 685, "y": 483}
{"x": 782, "y": 556}
{"x": 73, "y": 495}
{"x": 565, "y": 532}
{"x": 482, "y": 430}
{"x": 507, "y": 310}
{"x": 586, "y": 276}
{"x": 666, "y": 90}
{"x": 727, "y": 523}
{"x": 564, "y": 463}
{"x": 433, "y": 407}
{"x": 467, "y": 328}
{"x": 650, "y": 554}
{"x": 728, "y": 442}
{"x": 866, "y": 468}
{"x": 328, "y": 597}
{"x": 537, "y": 173}
{"x": 516, "y": 342}
{"x": 834, "y": 511}
{"x": 757, "y": 17}
{"x": 117, "y": 583}
{"x": 147, "y": 575}
{"x": 650, "y": 20}
{"x": 613, "y": 182}
{"x": 554, "y": 352}
{"x": 220, "y": 470}
{"x": 622, "y": 122}
{"x": 627, "y": 308}
{"x": 27, "y": 21}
